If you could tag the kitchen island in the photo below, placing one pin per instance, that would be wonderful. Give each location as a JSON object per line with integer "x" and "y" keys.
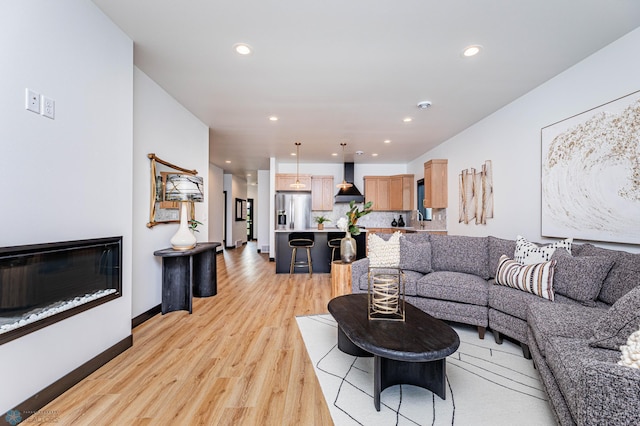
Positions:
{"x": 320, "y": 252}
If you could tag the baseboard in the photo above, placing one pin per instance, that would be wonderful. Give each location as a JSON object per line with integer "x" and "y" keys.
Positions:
{"x": 146, "y": 316}
{"x": 32, "y": 405}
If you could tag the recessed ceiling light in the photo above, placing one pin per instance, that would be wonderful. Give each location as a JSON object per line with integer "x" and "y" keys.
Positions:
{"x": 387, "y": 141}
{"x": 228, "y": 161}
{"x": 273, "y": 118}
{"x": 407, "y": 119}
{"x": 242, "y": 48}
{"x": 334, "y": 154}
{"x": 374, "y": 155}
{"x": 471, "y": 50}
{"x": 293, "y": 154}
{"x": 249, "y": 174}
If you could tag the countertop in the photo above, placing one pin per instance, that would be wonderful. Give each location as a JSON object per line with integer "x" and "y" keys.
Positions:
{"x": 391, "y": 229}
{"x": 326, "y": 229}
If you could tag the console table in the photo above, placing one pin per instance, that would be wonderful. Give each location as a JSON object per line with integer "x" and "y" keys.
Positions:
{"x": 187, "y": 273}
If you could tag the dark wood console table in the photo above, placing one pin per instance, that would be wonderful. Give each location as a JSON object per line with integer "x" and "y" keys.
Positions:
{"x": 187, "y": 273}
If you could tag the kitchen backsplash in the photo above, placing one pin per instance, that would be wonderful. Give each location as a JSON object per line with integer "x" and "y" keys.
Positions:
{"x": 384, "y": 219}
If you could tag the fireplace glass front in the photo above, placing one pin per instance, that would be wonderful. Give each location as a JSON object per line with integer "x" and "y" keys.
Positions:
{"x": 45, "y": 283}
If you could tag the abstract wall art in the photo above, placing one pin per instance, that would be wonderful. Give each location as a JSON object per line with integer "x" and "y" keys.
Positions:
{"x": 476, "y": 194}
{"x": 591, "y": 174}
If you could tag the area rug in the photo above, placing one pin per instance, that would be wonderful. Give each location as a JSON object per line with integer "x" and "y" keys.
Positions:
{"x": 487, "y": 384}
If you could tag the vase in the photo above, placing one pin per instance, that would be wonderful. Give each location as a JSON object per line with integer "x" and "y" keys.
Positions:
{"x": 348, "y": 248}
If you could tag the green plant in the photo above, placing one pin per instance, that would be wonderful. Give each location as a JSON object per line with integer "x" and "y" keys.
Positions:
{"x": 355, "y": 213}
{"x": 193, "y": 224}
{"x": 321, "y": 219}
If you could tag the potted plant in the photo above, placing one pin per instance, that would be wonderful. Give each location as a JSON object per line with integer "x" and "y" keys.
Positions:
{"x": 320, "y": 220}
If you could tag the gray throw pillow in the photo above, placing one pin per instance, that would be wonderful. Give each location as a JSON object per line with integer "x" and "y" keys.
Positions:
{"x": 415, "y": 256}
{"x": 622, "y": 319}
{"x": 580, "y": 278}
{"x": 623, "y": 276}
{"x": 497, "y": 248}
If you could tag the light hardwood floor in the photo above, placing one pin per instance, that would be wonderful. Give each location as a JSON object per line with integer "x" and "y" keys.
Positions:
{"x": 239, "y": 359}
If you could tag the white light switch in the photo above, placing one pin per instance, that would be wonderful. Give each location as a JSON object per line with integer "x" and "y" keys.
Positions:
{"x": 32, "y": 101}
{"x": 48, "y": 107}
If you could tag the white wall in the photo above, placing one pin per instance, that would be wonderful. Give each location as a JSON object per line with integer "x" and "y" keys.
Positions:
{"x": 164, "y": 127}
{"x": 510, "y": 138}
{"x": 236, "y": 187}
{"x": 70, "y": 178}
{"x": 263, "y": 212}
{"x": 216, "y": 204}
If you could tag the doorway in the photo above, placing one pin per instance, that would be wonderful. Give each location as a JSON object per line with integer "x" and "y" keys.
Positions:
{"x": 250, "y": 219}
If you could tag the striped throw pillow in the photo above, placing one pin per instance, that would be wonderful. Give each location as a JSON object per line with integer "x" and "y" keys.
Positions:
{"x": 536, "y": 279}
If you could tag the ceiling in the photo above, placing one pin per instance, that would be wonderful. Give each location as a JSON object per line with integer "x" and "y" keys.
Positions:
{"x": 351, "y": 70}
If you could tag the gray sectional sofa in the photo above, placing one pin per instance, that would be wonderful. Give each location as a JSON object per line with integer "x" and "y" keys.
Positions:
{"x": 574, "y": 340}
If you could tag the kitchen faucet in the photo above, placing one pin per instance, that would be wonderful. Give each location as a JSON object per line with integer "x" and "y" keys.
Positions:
{"x": 420, "y": 219}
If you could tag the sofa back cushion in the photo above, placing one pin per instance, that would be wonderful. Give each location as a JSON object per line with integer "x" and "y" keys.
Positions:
{"x": 497, "y": 248}
{"x": 580, "y": 277}
{"x": 622, "y": 319}
{"x": 623, "y": 276}
{"x": 457, "y": 253}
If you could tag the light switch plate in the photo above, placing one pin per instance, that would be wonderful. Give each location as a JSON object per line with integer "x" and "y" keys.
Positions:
{"x": 32, "y": 101}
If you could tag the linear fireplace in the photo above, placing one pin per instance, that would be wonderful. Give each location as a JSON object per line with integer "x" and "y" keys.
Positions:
{"x": 44, "y": 283}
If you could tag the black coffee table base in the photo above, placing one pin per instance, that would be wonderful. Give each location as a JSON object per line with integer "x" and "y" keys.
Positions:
{"x": 387, "y": 372}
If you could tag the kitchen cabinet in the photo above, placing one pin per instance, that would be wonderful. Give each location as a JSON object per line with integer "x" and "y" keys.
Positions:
{"x": 435, "y": 184}
{"x": 322, "y": 192}
{"x": 284, "y": 181}
{"x": 376, "y": 189}
{"x": 389, "y": 193}
{"x": 401, "y": 192}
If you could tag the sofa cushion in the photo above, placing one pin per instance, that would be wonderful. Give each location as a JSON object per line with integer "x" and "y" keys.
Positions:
{"x": 410, "y": 281}
{"x": 623, "y": 276}
{"x": 547, "y": 320}
{"x": 620, "y": 320}
{"x": 381, "y": 253}
{"x": 456, "y": 253}
{"x": 455, "y": 287}
{"x": 498, "y": 247}
{"x": 534, "y": 278}
{"x": 417, "y": 237}
{"x": 415, "y": 256}
{"x": 528, "y": 253}
{"x": 580, "y": 277}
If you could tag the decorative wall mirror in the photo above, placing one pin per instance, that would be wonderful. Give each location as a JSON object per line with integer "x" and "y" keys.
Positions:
{"x": 161, "y": 211}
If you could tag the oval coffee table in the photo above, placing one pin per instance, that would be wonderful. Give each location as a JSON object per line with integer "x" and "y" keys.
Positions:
{"x": 410, "y": 352}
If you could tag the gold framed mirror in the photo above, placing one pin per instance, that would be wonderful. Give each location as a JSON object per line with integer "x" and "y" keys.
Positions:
{"x": 161, "y": 211}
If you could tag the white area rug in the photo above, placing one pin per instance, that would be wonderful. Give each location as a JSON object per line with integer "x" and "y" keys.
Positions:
{"x": 488, "y": 384}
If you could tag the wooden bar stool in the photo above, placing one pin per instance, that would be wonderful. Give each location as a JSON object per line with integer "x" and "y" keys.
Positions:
{"x": 333, "y": 241}
{"x": 301, "y": 240}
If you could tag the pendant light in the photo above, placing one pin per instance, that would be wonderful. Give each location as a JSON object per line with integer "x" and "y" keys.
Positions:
{"x": 344, "y": 184}
{"x": 297, "y": 184}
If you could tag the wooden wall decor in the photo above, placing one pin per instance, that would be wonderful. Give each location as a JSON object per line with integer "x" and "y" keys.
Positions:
{"x": 476, "y": 194}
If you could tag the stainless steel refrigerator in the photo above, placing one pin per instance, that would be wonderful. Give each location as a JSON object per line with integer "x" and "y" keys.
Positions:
{"x": 293, "y": 210}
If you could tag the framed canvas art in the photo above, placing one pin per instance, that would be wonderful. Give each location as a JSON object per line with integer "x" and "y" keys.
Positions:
{"x": 591, "y": 174}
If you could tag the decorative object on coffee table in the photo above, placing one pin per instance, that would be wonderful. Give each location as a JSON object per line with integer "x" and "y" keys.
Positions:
{"x": 186, "y": 189}
{"x": 348, "y": 249}
{"x": 386, "y": 294}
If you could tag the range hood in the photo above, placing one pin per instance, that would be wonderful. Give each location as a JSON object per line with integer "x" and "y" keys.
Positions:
{"x": 351, "y": 193}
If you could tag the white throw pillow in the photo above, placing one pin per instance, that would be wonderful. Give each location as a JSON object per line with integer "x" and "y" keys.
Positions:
{"x": 384, "y": 254}
{"x": 528, "y": 253}
{"x": 631, "y": 351}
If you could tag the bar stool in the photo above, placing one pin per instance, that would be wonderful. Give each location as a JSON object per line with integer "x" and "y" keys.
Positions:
{"x": 301, "y": 240}
{"x": 333, "y": 242}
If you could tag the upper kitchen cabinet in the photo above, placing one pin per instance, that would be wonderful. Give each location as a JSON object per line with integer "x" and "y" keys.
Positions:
{"x": 435, "y": 184}
{"x": 376, "y": 189}
{"x": 401, "y": 192}
{"x": 285, "y": 180}
{"x": 322, "y": 192}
